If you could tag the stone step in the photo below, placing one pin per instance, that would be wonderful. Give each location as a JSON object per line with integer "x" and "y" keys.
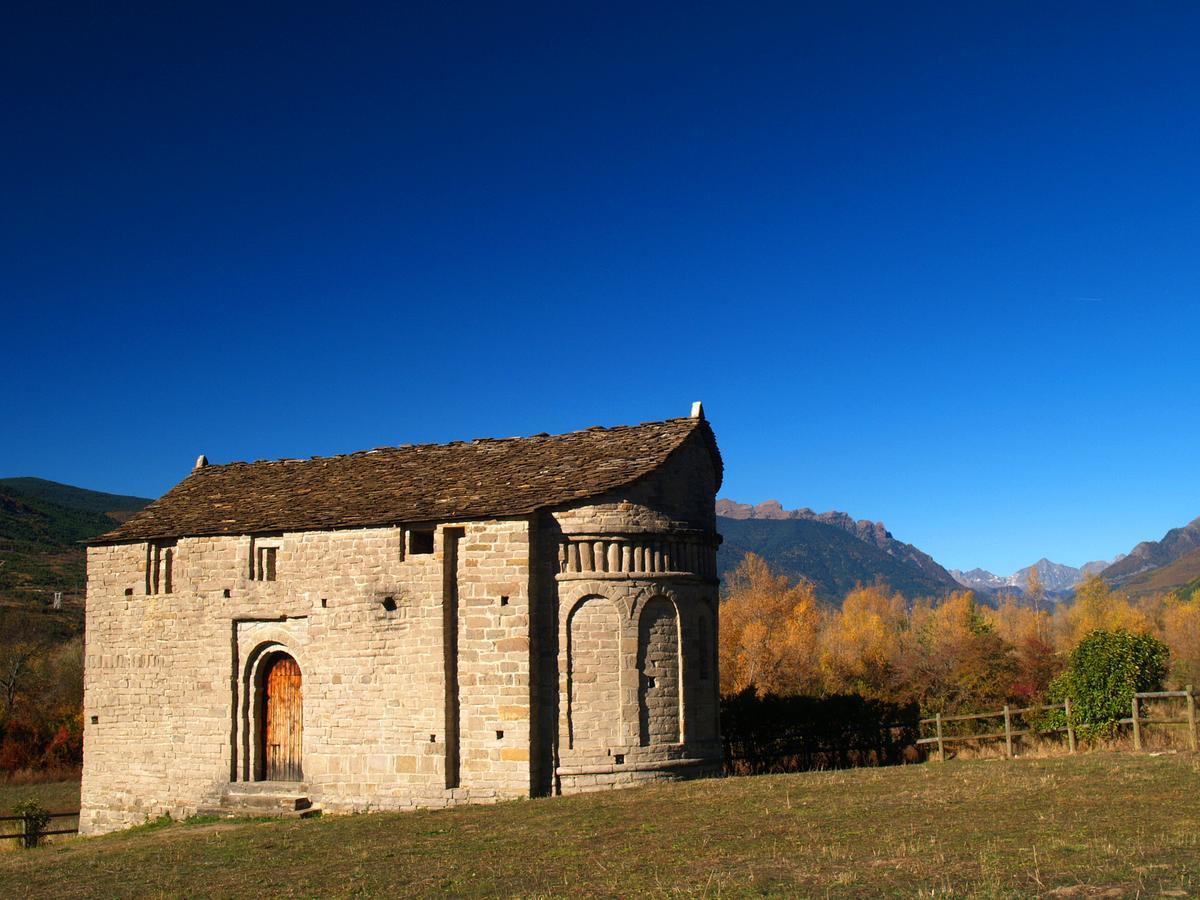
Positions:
{"x": 230, "y": 812}
{"x": 262, "y": 801}
{"x": 266, "y": 787}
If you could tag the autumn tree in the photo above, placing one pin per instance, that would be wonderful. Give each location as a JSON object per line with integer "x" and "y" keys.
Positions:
{"x": 1037, "y": 593}
{"x": 861, "y": 642}
{"x": 953, "y": 659}
{"x": 1026, "y": 630}
{"x": 1181, "y": 632}
{"x": 1096, "y": 608}
{"x": 769, "y": 632}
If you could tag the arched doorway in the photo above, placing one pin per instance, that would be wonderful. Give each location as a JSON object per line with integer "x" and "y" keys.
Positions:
{"x": 281, "y": 731}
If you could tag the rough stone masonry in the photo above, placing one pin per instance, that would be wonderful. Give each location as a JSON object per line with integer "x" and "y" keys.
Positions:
{"x": 409, "y": 626}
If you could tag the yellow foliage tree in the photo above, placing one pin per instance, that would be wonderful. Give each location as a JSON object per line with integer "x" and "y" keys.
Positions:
{"x": 769, "y": 632}
{"x": 861, "y": 643}
{"x": 1181, "y": 632}
{"x": 1014, "y": 621}
{"x": 1096, "y": 606}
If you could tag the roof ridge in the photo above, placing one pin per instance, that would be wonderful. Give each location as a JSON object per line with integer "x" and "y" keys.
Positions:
{"x": 541, "y": 435}
{"x": 488, "y": 478}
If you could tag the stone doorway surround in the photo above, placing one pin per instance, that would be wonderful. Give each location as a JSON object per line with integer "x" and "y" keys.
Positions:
{"x": 256, "y": 645}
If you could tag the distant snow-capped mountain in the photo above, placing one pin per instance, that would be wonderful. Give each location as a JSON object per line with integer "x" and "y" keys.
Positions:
{"x": 1056, "y": 578}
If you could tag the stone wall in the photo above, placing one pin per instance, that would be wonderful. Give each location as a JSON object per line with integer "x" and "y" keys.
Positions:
{"x": 168, "y": 703}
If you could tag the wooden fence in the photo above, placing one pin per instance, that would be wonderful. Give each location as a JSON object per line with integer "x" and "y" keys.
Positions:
{"x": 30, "y": 836}
{"x": 1137, "y": 721}
{"x": 941, "y": 738}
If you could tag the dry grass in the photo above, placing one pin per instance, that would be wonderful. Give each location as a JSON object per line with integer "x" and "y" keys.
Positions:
{"x": 55, "y": 796}
{"x": 1082, "y": 825}
{"x": 57, "y": 774}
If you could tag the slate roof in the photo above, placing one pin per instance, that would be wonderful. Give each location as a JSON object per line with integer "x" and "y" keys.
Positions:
{"x": 483, "y": 478}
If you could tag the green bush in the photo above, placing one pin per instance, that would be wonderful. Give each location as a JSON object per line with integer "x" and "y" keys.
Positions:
{"x": 36, "y": 820}
{"x": 1104, "y": 672}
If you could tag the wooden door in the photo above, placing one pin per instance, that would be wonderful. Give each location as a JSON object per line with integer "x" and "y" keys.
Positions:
{"x": 283, "y": 728}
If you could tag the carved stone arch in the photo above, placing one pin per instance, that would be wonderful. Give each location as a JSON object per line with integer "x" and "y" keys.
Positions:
{"x": 613, "y": 591}
{"x": 593, "y": 673}
{"x": 646, "y": 594}
{"x": 660, "y": 671}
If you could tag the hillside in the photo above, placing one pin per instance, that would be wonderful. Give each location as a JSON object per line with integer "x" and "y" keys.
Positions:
{"x": 1148, "y": 557}
{"x": 832, "y": 558}
{"x": 41, "y": 526}
{"x": 1099, "y": 824}
{"x": 1182, "y": 575}
{"x": 117, "y": 507}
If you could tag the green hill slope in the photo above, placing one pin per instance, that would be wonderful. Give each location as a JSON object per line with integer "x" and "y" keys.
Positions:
{"x": 41, "y": 526}
{"x": 116, "y": 506}
{"x": 833, "y": 559}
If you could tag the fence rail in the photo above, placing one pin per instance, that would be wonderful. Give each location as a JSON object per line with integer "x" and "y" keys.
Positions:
{"x": 30, "y": 835}
{"x": 941, "y": 738}
{"x": 1136, "y": 719}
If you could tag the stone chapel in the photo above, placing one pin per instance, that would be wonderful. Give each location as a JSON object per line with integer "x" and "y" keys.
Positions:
{"x": 408, "y": 626}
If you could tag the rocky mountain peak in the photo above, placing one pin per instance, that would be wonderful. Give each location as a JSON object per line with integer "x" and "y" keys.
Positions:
{"x": 874, "y": 533}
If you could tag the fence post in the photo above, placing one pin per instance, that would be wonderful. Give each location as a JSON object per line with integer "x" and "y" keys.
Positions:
{"x": 1070, "y": 725}
{"x": 29, "y": 834}
{"x": 1137, "y": 726}
{"x": 1007, "y": 733}
{"x": 941, "y": 746}
{"x": 1191, "y": 717}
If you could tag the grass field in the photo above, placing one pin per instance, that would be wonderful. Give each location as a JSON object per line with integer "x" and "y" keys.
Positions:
{"x": 55, "y": 796}
{"x": 1112, "y": 824}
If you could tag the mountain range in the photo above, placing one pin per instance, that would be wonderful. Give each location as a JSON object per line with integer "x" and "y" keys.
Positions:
{"x": 1172, "y": 563}
{"x": 1056, "y": 578}
{"x": 832, "y": 550}
{"x": 835, "y": 552}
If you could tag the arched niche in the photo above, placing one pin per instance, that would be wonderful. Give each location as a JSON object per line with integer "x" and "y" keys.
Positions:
{"x": 659, "y": 670}
{"x": 593, "y": 674}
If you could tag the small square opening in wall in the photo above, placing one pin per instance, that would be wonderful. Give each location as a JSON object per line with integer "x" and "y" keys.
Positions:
{"x": 128, "y": 592}
{"x": 389, "y": 603}
{"x": 619, "y": 759}
{"x": 433, "y": 739}
{"x": 420, "y": 541}
{"x": 95, "y": 720}
{"x": 499, "y": 735}
{"x": 504, "y": 601}
{"x": 324, "y": 603}
{"x": 228, "y": 593}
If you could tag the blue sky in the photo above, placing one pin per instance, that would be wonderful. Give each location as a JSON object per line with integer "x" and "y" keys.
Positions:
{"x": 935, "y": 267}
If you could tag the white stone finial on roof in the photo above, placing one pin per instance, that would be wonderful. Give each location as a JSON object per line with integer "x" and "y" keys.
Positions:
{"x": 697, "y": 410}
{"x": 201, "y": 462}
